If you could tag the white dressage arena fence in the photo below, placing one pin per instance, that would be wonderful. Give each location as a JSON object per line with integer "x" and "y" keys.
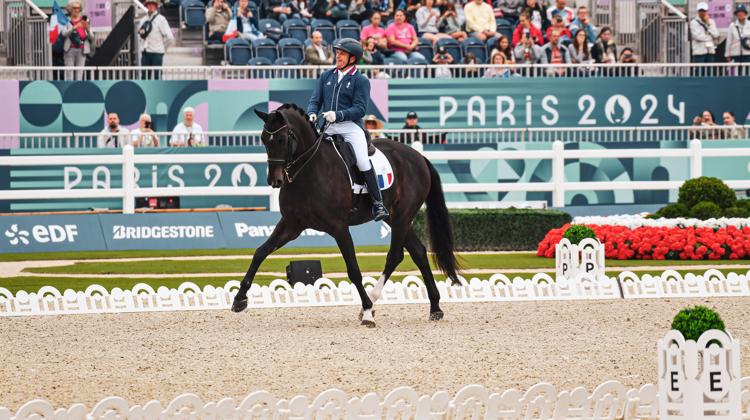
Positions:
{"x": 586, "y": 257}
{"x": 278, "y": 294}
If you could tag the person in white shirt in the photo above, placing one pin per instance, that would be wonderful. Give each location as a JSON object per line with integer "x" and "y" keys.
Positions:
{"x": 561, "y": 8}
{"x": 113, "y": 135}
{"x": 738, "y": 38}
{"x": 144, "y": 136}
{"x": 156, "y": 36}
{"x": 188, "y": 133}
{"x": 704, "y": 36}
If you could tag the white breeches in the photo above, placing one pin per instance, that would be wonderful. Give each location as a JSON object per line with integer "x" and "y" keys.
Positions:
{"x": 353, "y": 135}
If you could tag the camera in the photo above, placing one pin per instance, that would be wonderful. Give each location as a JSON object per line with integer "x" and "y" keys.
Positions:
{"x": 526, "y": 33}
{"x": 85, "y": 18}
{"x": 147, "y": 124}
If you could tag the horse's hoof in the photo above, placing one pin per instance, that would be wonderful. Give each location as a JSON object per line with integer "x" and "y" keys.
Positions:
{"x": 239, "y": 305}
{"x": 369, "y": 324}
{"x": 361, "y": 313}
{"x": 436, "y": 316}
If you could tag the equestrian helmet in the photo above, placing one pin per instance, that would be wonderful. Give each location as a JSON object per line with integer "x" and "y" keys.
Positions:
{"x": 350, "y": 46}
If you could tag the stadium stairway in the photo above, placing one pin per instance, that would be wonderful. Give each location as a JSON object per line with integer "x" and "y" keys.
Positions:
{"x": 188, "y": 50}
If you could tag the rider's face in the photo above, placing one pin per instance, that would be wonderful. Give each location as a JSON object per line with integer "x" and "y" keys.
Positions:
{"x": 342, "y": 59}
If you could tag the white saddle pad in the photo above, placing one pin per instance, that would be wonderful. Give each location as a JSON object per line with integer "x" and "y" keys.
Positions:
{"x": 383, "y": 172}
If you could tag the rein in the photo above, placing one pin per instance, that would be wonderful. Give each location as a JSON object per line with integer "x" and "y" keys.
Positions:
{"x": 306, "y": 157}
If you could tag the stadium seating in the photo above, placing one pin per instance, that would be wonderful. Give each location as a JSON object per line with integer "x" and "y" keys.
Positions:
{"x": 296, "y": 28}
{"x": 193, "y": 13}
{"x": 237, "y": 52}
{"x": 392, "y": 61}
{"x": 476, "y": 46}
{"x": 326, "y": 28}
{"x": 265, "y": 24}
{"x": 347, "y": 28}
{"x": 285, "y": 61}
{"x": 291, "y": 48}
{"x": 451, "y": 47}
{"x": 259, "y": 61}
{"x": 425, "y": 48}
{"x": 265, "y": 47}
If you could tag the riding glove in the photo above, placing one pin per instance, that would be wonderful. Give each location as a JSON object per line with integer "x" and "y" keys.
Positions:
{"x": 330, "y": 116}
{"x": 313, "y": 118}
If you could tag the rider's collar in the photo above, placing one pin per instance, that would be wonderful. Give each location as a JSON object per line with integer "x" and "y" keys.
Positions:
{"x": 351, "y": 71}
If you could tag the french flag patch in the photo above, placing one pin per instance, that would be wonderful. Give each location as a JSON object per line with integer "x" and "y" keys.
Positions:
{"x": 385, "y": 180}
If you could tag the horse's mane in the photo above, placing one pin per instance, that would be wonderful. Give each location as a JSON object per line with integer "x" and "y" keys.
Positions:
{"x": 295, "y": 108}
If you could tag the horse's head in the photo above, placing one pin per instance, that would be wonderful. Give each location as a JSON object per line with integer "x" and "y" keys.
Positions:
{"x": 280, "y": 145}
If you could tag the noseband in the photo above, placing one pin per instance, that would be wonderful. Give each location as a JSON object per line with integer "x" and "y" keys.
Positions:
{"x": 302, "y": 160}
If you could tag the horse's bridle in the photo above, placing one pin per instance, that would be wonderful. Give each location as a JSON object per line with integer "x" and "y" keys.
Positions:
{"x": 288, "y": 167}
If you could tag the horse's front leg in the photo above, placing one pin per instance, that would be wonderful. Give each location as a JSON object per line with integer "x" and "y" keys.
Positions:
{"x": 346, "y": 245}
{"x": 284, "y": 232}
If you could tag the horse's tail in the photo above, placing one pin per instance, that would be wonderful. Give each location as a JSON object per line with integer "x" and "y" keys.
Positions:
{"x": 439, "y": 224}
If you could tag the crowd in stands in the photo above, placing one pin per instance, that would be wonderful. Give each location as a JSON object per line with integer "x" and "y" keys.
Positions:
{"x": 187, "y": 133}
{"x": 710, "y": 130}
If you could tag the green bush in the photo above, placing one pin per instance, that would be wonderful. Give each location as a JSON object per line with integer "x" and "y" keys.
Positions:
{"x": 576, "y": 233}
{"x": 739, "y": 212}
{"x": 706, "y": 210}
{"x": 743, "y": 204}
{"x": 673, "y": 211}
{"x": 498, "y": 229}
{"x": 706, "y": 188}
{"x": 692, "y": 322}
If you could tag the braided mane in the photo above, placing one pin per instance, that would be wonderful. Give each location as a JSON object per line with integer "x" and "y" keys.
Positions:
{"x": 295, "y": 108}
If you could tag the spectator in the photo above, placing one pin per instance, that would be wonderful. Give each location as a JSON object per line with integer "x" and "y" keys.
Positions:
{"x": 188, "y": 133}
{"x": 374, "y": 30}
{"x": 410, "y": 8}
{"x": 471, "y": 69}
{"x": 449, "y": 23}
{"x": 525, "y": 28}
{"x": 218, "y": 17}
{"x": 144, "y": 136}
{"x": 498, "y": 59}
{"x": 604, "y": 50}
{"x": 582, "y": 22}
{"x": 402, "y": 38}
{"x": 527, "y": 52}
{"x": 244, "y": 25}
{"x": 281, "y": 10}
{"x": 707, "y": 118}
{"x": 733, "y": 130}
{"x": 427, "y": 22}
{"x": 337, "y": 10}
{"x": 627, "y": 56}
{"x": 738, "y": 38}
{"x": 704, "y": 36}
{"x": 77, "y": 34}
{"x": 503, "y": 47}
{"x": 557, "y": 23}
{"x": 411, "y": 123}
{"x": 554, "y": 53}
{"x": 538, "y": 17}
{"x": 480, "y": 20}
{"x": 373, "y": 126}
{"x": 371, "y": 54}
{"x": 384, "y": 7}
{"x": 317, "y": 53}
{"x": 360, "y": 10}
{"x": 509, "y": 10}
{"x": 113, "y": 135}
{"x": 442, "y": 59}
{"x": 156, "y": 36}
{"x": 579, "y": 48}
{"x": 561, "y": 9}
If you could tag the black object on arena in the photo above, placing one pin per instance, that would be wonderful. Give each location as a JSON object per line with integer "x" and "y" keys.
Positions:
{"x": 305, "y": 272}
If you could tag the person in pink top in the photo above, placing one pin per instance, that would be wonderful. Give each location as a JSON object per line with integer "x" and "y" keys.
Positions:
{"x": 402, "y": 38}
{"x": 375, "y": 31}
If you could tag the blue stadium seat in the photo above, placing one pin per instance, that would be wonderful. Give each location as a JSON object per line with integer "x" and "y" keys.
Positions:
{"x": 264, "y": 24}
{"x": 296, "y": 28}
{"x": 285, "y": 61}
{"x": 451, "y": 47}
{"x": 193, "y": 13}
{"x": 425, "y": 48}
{"x": 503, "y": 22}
{"x": 265, "y": 47}
{"x": 237, "y": 52}
{"x": 393, "y": 60}
{"x": 490, "y": 44}
{"x": 506, "y": 31}
{"x": 476, "y": 46}
{"x": 348, "y": 28}
{"x": 326, "y": 28}
{"x": 259, "y": 61}
{"x": 417, "y": 61}
{"x": 291, "y": 48}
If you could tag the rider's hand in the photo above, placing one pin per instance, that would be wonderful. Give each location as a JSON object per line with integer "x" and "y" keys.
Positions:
{"x": 313, "y": 118}
{"x": 330, "y": 116}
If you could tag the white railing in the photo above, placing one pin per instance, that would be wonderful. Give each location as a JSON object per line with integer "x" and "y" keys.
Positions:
{"x": 557, "y": 184}
{"x": 376, "y": 72}
{"x": 488, "y": 135}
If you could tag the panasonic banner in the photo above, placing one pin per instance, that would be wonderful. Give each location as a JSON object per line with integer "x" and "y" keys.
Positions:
{"x": 158, "y": 231}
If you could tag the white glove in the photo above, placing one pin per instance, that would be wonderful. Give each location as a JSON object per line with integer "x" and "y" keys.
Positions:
{"x": 313, "y": 118}
{"x": 330, "y": 116}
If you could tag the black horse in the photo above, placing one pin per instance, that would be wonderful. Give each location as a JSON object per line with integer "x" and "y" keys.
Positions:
{"x": 316, "y": 193}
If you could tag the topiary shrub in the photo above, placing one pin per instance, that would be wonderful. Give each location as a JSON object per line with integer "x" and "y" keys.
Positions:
{"x": 706, "y": 210}
{"x": 692, "y": 322}
{"x": 672, "y": 211}
{"x": 708, "y": 189}
{"x": 743, "y": 204}
{"x": 576, "y": 233}
{"x": 738, "y": 212}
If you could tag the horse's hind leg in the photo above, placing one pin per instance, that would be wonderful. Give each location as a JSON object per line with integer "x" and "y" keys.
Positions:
{"x": 419, "y": 255}
{"x": 394, "y": 258}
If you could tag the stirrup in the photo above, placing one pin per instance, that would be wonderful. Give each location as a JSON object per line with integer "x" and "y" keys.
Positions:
{"x": 379, "y": 212}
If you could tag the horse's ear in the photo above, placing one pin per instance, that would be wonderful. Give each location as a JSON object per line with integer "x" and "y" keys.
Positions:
{"x": 262, "y": 115}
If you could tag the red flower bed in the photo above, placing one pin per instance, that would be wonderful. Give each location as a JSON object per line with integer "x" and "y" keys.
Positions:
{"x": 660, "y": 243}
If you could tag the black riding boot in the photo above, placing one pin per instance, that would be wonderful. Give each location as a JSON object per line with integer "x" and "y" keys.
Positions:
{"x": 378, "y": 209}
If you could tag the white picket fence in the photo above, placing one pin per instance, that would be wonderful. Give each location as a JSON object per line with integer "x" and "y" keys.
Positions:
{"x": 499, "y": 288}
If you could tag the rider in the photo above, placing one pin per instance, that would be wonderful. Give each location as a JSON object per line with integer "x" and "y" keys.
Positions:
{"x": 342, "y": 94}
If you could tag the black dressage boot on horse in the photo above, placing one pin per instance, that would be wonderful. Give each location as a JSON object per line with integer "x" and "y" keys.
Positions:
{"x": 379, "y": 211}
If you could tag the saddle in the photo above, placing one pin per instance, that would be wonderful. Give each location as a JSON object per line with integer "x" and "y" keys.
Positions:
{"x": 346, "y": 151}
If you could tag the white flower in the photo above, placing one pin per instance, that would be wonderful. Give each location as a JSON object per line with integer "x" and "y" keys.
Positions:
{"x": 633, "y": 221}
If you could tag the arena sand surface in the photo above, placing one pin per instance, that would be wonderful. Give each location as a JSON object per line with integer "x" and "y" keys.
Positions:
{"x": 215, "y": 354}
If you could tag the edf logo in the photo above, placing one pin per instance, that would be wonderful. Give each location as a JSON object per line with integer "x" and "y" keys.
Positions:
{"x": 42, "y": 234}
